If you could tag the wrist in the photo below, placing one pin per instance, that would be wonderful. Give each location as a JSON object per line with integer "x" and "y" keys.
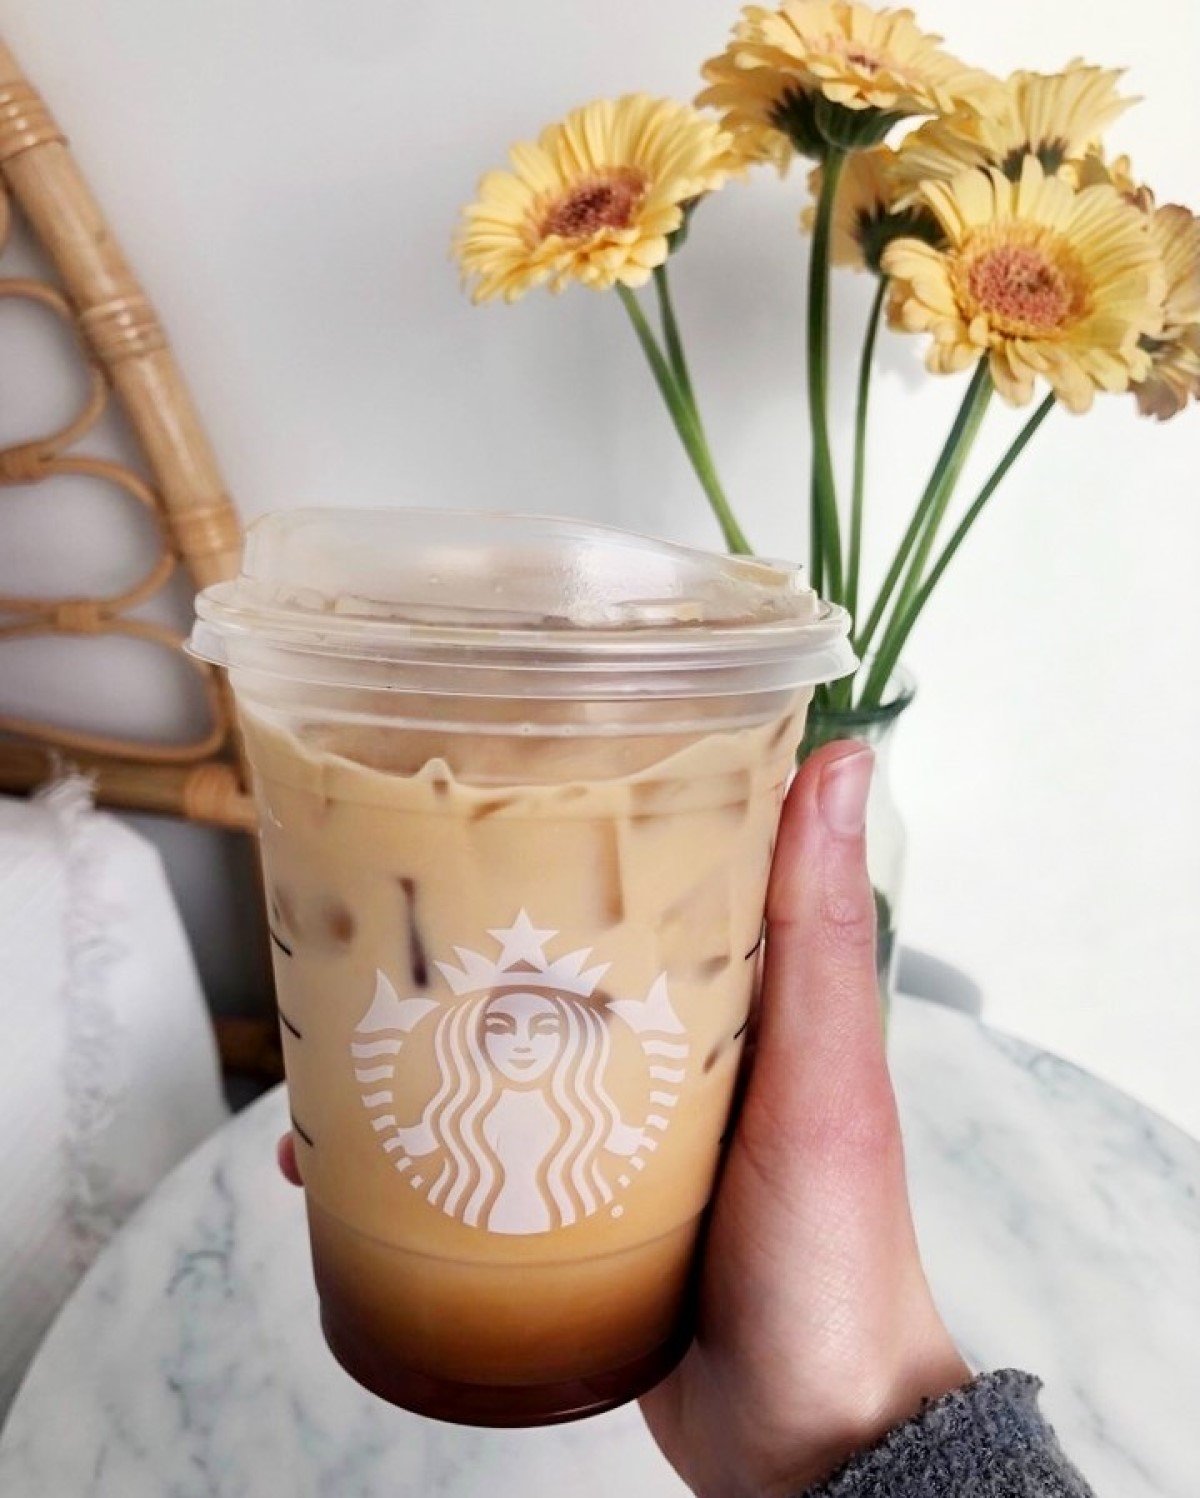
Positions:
{"x": 884, "y": 1398}
{"x": 988, "y": 1434}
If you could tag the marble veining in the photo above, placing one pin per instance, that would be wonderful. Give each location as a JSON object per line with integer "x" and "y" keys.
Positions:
{"x": 1060, "y": 1223}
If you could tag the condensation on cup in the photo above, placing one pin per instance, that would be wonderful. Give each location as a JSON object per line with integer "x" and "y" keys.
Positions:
{"x": 518, "y": 782}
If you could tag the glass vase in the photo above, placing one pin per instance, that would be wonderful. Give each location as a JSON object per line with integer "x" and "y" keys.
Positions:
{"x": 886, "y": 836}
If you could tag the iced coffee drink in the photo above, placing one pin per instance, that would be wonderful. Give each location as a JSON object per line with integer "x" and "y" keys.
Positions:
{"x": 518, "y": 783}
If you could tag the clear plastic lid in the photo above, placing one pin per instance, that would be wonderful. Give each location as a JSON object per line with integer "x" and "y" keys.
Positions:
{"x": 511, "y": 605}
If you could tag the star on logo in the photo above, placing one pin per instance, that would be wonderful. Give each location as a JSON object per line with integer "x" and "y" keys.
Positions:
{"x": 522, "y": 942}
{"x": 522, "y": 964}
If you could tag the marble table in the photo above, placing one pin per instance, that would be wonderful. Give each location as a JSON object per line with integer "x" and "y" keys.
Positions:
{"x": 1059, "y": 1219}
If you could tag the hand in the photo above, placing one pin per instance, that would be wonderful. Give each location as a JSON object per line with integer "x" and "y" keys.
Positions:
{"x": 817, "y": 1331}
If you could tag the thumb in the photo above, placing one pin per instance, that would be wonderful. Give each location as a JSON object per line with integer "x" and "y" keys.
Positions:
{"x": 820, "y": 1084}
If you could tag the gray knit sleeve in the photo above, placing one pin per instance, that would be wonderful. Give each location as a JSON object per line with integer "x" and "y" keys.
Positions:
{"x": 987, "y": 1440}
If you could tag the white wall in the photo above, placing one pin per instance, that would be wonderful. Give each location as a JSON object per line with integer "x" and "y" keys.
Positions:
{"x": 286, "y": 173}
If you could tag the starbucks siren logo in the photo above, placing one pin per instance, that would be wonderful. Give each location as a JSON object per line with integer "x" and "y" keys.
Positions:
{"x": 521, "y": 1134}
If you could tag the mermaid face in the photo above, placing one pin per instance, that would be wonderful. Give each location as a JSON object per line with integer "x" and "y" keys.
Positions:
{"x": 522, "y": 1035}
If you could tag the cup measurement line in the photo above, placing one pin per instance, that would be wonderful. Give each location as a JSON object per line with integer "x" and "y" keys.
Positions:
{"x": 288, "y": 1025}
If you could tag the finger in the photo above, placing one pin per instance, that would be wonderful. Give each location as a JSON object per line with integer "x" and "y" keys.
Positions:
{"x": 285, "y": 1153}
{"x": 820, "y": 1073}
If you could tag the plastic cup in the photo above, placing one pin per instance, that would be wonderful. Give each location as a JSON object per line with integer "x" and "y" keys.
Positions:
{"x": 518, "y": 782}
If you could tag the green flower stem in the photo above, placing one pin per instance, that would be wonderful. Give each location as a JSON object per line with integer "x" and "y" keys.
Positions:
{"x": 903, "y": 626}
{"x": 826, "y": 545}
{"x": 963, "y": 436}
{"x": 673, "y": 341}
{"x": 687, "y": 424}
{"x": 854, "y": 561}
{"x": 671, "y": 338}
{"x": 864, "y": 637}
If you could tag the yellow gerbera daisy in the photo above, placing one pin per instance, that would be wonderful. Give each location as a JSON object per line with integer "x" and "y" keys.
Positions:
{"x": 867, "y": 214}
{"x": 1039, "y": 279}
{"x": 1053, "y": 116}
{"x": 595, "y": 200}
{"x": 1174, "y": 376}
{"x": 816, "y": 73}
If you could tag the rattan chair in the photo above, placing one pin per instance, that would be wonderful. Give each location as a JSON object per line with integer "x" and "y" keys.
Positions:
{"x": 125, "y": 349}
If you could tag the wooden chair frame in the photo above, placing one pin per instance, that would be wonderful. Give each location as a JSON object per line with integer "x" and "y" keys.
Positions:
{"x": 126, "y": 351}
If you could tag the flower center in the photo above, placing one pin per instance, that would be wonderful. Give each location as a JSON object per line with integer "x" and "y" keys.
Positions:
{"x": 876, "y": 226}
{"x": 855, "y": 55}
{"x": 1024, "y": 289}
{"x": 603, "y": 202}
{"x": 863, "y": 60}
{"x": 1051, "y": 153}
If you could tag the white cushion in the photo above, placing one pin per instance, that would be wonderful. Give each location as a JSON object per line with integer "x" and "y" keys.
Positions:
{"x": 108, "y": 1071}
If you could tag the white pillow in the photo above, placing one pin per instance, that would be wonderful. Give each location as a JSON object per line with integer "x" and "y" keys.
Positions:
{"x": 108, "y": 1071}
